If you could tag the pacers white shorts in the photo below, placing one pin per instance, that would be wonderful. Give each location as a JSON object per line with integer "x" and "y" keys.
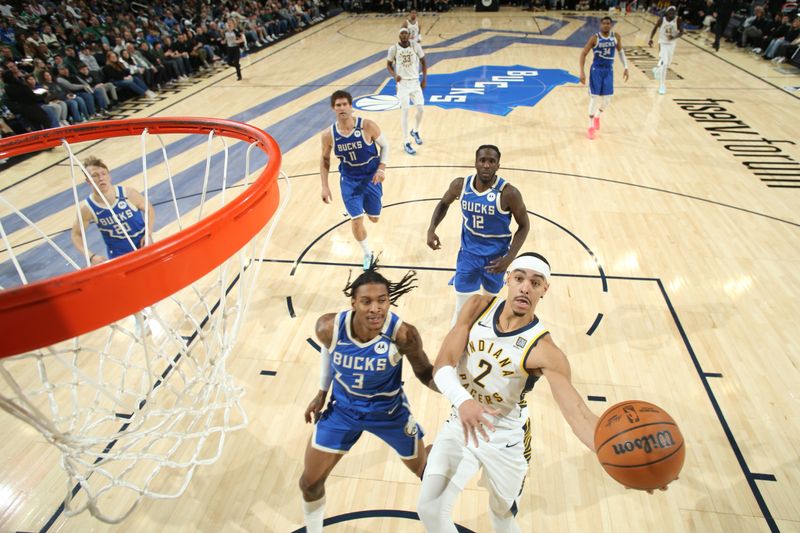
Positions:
{"x": 665, "y": 53}
{"x": 502, "y": 459}
{"x": 409, "y": 90}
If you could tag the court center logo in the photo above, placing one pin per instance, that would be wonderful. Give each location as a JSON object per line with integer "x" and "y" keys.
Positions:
{"x": 492, "y": 89}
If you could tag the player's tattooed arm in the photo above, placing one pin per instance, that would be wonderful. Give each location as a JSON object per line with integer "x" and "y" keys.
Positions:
{"x": 409, "y": 343}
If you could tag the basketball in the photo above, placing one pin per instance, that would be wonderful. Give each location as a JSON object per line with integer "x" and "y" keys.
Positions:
{"x": 639, "y": 445}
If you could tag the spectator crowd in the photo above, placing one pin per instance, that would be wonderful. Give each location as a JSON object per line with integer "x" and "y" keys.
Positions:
{"x": 68, "y": 61}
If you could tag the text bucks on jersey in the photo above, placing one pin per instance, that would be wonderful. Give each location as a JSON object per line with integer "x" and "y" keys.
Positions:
{"x": 493, "y": 371}
{"x": 366, "y": 375}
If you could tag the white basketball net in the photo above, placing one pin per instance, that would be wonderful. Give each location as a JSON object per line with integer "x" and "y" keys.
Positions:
{"x": 136, "y": 406}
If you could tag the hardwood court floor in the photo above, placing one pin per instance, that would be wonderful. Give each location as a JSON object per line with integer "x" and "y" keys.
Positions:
{"x": 676, "y": 232}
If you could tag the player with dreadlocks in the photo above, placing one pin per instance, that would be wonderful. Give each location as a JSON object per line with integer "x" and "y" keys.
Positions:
{"x": 361, "y": 354}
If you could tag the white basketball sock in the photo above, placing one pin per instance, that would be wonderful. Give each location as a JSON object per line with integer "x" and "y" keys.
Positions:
{"x": 365, "y": 246}
{"x": 404, "y": 125}
{"x": 594, "y": 103}
{"x": 313, "y": 515}
{"x": 418, "y": 120}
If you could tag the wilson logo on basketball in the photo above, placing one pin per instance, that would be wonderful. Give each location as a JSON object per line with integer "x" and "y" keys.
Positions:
{"x": 647, "y": 443}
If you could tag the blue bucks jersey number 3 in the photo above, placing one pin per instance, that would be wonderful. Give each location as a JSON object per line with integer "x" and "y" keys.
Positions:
{"x": 367, "y": 376}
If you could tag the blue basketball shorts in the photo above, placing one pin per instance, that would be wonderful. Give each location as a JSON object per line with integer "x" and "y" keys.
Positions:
{"x": 471, "y": 273}
{"x": 601, "y": 81}
{"x": 339, "y": 428}
{"x": 361, "y": 196}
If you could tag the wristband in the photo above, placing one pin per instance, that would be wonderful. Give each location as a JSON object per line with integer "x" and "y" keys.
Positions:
{"x": 448, "y": 384}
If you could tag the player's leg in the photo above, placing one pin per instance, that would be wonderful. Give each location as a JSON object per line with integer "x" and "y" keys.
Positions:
{"x": 419, "y": 106}
{"x": 450, "y": 466}
{"x": 404, "y": 96}
{"x": 353, "y": 192}
{"x": 373, "y": 204}
{"x": 605, "y": 91}
{"x": 665, "y": 59}
{"x": 404, "y": 435}
{"x": 595, "y": 85}
{"x": 504, "y": 468}
{"x": 333, "y": 437}
{"x": 492, "y": 283}
{"x": 467, "y": 280}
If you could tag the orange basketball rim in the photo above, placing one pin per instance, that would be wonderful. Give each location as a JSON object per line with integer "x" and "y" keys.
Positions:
{"x": 69, "y": 305}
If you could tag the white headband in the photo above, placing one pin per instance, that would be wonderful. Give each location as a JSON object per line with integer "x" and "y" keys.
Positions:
{"x": 529, "y": 262}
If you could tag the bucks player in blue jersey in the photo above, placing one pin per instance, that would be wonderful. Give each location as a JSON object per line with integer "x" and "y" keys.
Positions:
{"x": 118, "y": 211}
{"x": 362, "y": 353}
{"x": 355, "y": 142}
{"x": 603, "y": 45}
{"x": 488, "y": 203}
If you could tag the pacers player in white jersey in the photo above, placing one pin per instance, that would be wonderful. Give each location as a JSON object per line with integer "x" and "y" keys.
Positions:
{"x": 670, "y": 29}
{"x": 491, "y": 358}
{"x": 403, "y": 62}
{"x": 603, "y": 46}
{"x": 413, "y": 27}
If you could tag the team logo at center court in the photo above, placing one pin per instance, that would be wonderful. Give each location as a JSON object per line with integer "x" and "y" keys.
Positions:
{"x": 492, "y": 89}
{"x": 382, "y": 347}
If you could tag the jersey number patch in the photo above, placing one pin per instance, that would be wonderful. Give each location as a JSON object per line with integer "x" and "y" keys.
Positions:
{"x": 483, "y": 363}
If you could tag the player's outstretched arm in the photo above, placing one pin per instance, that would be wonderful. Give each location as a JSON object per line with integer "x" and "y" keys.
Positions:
{"x": 591, "y": 43}
{"x": 512, "y": 198}
{"x": 439, "y": 212}
{"x": 324, "y": 333}
{"x": 548, "y": 359}
{"x": 470, "y": 412}
{"x": 409, "y": 343}
{"x": 325, "y": 164}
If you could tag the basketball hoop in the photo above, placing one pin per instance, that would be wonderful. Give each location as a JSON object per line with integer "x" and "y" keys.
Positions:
{"x": 122, "y": 365}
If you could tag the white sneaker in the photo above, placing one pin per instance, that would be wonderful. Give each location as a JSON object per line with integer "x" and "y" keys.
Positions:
{"x": 417, "y": 138}
{"x": 150, "y": 94}
{"x": 409, "y": 149}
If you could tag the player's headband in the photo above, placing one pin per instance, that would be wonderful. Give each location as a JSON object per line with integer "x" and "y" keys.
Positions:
{"x": 529, "y": 262}
{"x": 403, "y": 30}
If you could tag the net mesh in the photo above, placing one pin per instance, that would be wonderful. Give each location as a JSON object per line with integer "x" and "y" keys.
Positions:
{"x": 136, "y": 406}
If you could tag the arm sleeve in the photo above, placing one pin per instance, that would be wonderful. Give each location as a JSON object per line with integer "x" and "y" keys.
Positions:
{"x": 383, "y": 143}
{"x": 623, "y": 58}
{"x": 325, "y": 377}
